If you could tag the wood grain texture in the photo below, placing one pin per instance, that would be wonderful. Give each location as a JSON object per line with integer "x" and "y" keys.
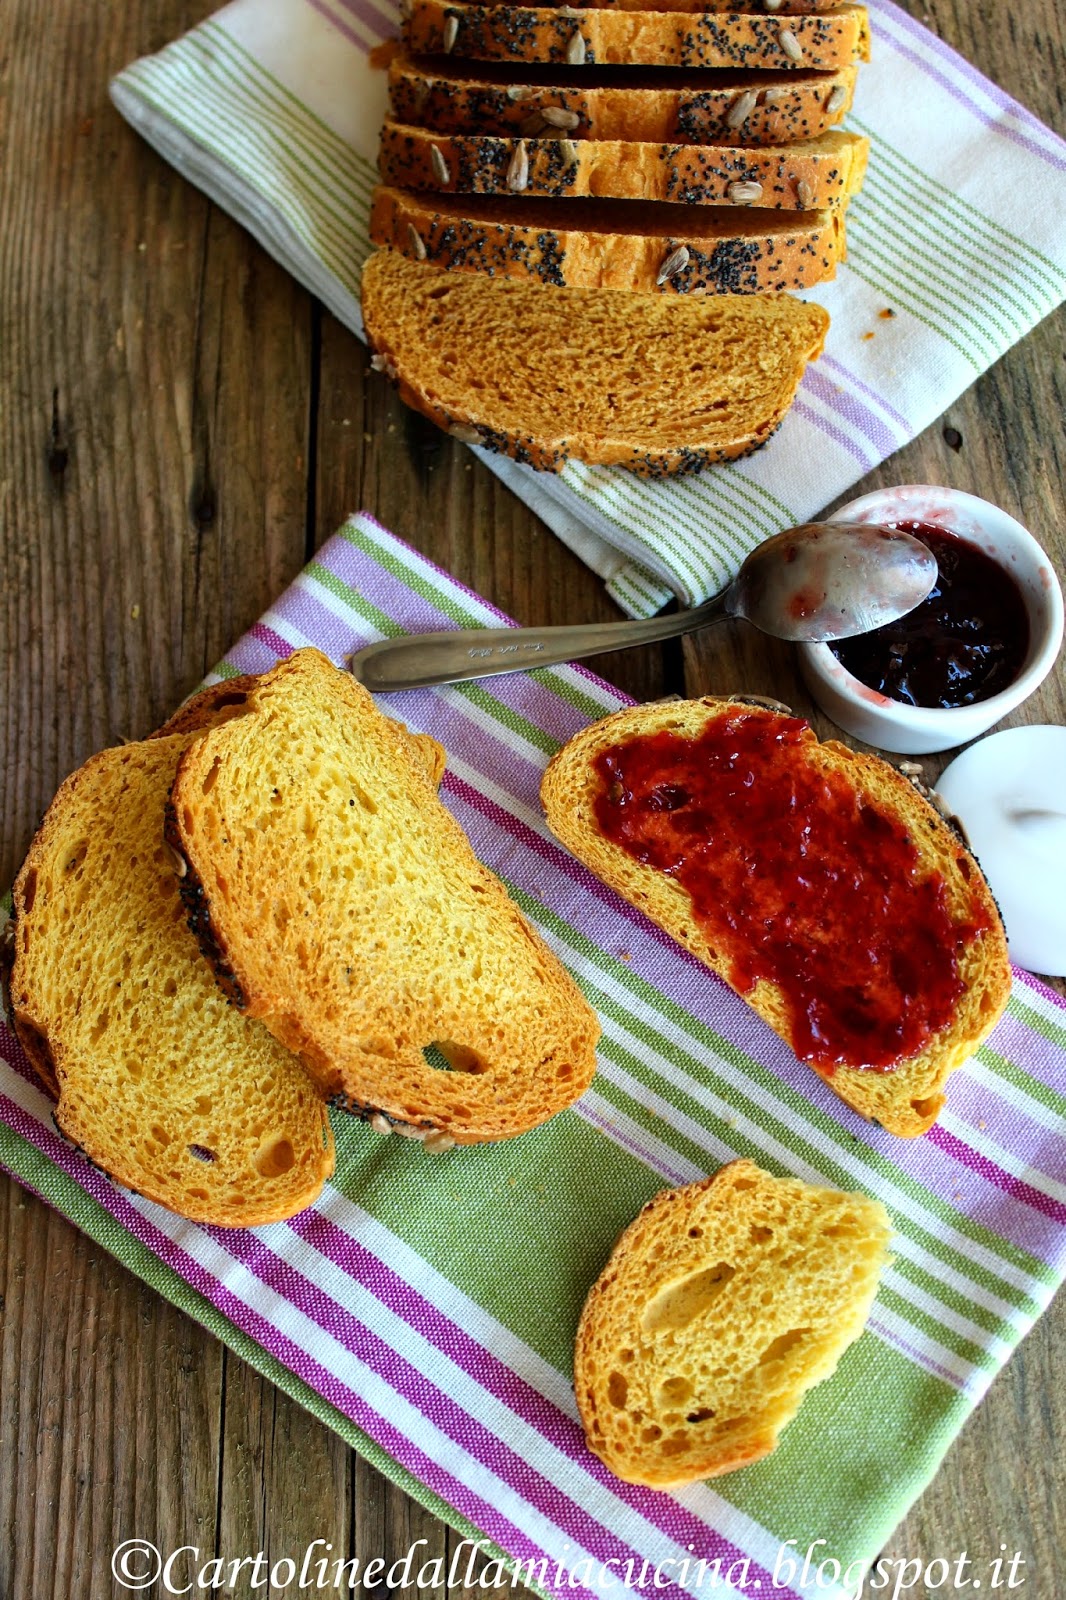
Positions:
{"x": 179, "y": 426}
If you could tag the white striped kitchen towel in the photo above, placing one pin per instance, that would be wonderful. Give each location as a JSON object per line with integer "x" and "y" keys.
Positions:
{"x": 273, "y": 109}
{"x": 426, "y": 1308}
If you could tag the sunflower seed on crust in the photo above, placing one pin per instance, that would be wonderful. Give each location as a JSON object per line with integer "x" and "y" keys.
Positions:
{"x": 379, "y": 1122}
{"x": 436, "y": 1142}
{"x": 519, "y": 91}
{"x": 518, "y": 171}
{"x": 745, "y": 194}
{"x": 568, "y": 150}
{"x": 378, "y": 362}
{"x": 559, "y": 117}
{"x": 790, "y": 44}
{"x": 674, "y": 263}
{"x": 774, "y": 96}
{"x": 532, "y": 125}
{"x": 406, "y": 1131}
{"x": 837, "y": 99}
{"x": 181, "y": 866}
{"x": 575, "y": 51}
{"x": 772, "y": 5}
{"x": 464, "y": 433}
{"x": 805, "y": 195}
{"x": 417, "y": 243}
{"x": 441, "y": 170}
{"x": 741, "y": 109}
{"x": 451, "y": 33}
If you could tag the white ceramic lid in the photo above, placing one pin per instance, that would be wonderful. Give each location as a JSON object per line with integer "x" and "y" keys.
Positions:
{"x": 1009, "y": 792}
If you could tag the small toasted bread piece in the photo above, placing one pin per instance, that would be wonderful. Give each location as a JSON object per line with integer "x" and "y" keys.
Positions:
{"x": 159, "y": 1081}
{"x": 721, "y": 1305}
{"x": 342, "y": 904}
{"x": 899, "y": 937}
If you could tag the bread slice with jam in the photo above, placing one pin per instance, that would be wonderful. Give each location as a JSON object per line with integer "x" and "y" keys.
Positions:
{"x": 818, "y": 883}
{"x": 720, "y": 1307}
{"x": 341, "y": 904}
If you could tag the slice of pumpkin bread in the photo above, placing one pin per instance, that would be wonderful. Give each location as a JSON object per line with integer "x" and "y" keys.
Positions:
{"x": 159, "y": 1081}
{"x": 721, "y": 1305}
{"x": 343, "y": 905}
{"x": 817, "y": 882}
{"x": 658, "y": 386}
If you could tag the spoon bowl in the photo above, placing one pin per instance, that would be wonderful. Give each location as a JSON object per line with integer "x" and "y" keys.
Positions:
{"x": 817, "y": 582}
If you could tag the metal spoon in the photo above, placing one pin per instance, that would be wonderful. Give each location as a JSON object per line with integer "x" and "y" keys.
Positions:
{"x": 820, "y": 581}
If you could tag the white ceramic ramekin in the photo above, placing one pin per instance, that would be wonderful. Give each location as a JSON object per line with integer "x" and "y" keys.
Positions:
{"x": 918, "y": 730}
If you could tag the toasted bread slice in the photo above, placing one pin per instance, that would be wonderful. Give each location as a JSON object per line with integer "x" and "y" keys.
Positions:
{"x": 807, "y": 176}
{"x": 220, "y": 701}
{"x": 817, "y": 882}
{"x": 658, "y": 386}
{"x": 342, "y": 904}
{"x": 638, "y": 38}
{"x": 159, "y": 1081}
{"x": 727, "y": 108}
{"x": 721, "y": 1305}
{"x": 613, "y": 244}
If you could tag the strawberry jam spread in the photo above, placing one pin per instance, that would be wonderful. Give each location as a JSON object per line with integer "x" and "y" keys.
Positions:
{"x": 794, "y": 878}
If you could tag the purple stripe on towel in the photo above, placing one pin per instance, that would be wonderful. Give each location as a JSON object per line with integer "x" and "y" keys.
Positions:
{"x": 1017, "y": 1188}
{"x": 851, "y": 408}
{"x": 501, "y": 1381}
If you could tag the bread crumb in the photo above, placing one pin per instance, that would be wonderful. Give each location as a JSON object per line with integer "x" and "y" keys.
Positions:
{"x": 624, "y": 955}
{"x": 868, "y": 336}
{"x": 135, "y": 612}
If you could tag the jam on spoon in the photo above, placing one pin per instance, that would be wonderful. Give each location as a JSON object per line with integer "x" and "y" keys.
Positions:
{"x": 966, "y": 641}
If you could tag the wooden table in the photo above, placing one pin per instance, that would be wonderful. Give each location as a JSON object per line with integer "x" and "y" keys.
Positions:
{"x": 182, "y": 426}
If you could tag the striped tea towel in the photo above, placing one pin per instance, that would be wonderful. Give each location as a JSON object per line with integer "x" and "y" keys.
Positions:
{"x": 426, "y": 1307}
{"x": 272, "y": 108}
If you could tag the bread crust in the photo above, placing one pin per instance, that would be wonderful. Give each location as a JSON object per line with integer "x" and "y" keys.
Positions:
{"x": 479, "y": 98}
{"x": 358, "y": 1019}
{"x": 807, "y": 176}
{"x": 905, "y": 1100}
{"x": 613, "y": 244}
{"x": 721, "y": 1305}
{"x": 644, "y": 38}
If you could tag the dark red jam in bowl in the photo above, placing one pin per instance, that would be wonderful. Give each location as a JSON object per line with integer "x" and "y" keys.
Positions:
{"x": 796, "y": 878}
{"x": 966, "y": 641}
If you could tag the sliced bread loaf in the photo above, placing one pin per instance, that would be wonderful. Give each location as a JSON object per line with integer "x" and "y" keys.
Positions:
{"x": 817, "y": 882}
{"x": 738, "y": 108}
{"x": 807, "y": 176}
{"x": 342, "y": 904}
{"x": 613, "y": 244}
{"x": 660, "y": 386}
{"x": 720, "y": 1307}
{"x": 161, "y": 1082}
{"x": 638, "y": 38}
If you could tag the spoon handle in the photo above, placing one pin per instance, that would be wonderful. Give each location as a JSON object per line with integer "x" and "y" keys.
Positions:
{"x": 429, "y": 658}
